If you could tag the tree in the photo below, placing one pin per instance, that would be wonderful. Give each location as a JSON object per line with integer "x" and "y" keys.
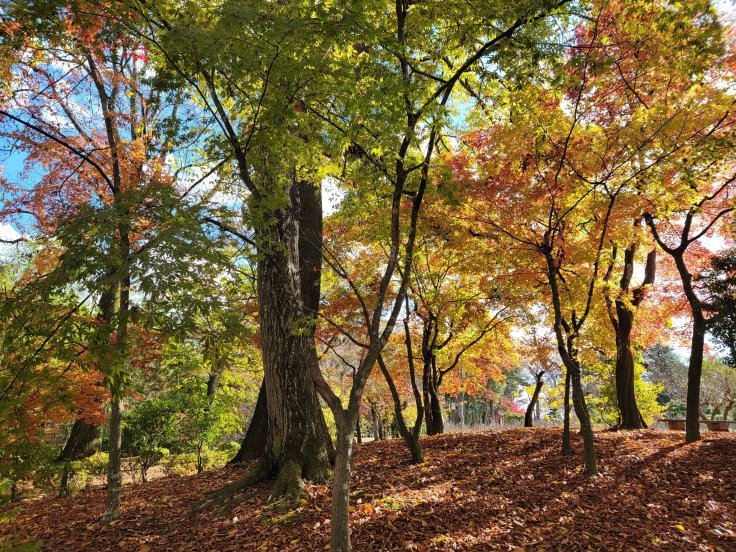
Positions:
{"x": 664, "y": 367}
{"x": 621, "y": 311}
{"x": 105, "y": 203}
{"x": 718, "y": 391}
{"x": 538, "y": 361}
{"x": 422, "y": 81}
{"x": 262, "y": 136}
{"x": 720, "y": 287}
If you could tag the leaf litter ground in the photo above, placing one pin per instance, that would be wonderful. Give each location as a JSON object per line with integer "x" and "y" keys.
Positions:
{"x": 499, "y": 490}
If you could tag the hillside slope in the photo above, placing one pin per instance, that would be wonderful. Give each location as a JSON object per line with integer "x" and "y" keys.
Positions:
{"x": 504, "y": 490}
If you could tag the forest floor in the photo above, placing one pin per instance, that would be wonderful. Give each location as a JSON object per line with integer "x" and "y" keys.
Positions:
{"x": 497, "y": 490}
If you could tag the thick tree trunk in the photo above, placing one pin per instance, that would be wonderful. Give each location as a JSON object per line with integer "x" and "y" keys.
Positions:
{"x": 622, "y": 319}
{"x": 566, "y": 448}
{"x": 254, "y": 441}
{"x": 529, "y": 416}
{"x": 625, "y": 394}
{"x": 114, "y": 482}
{"x": 436, "y": 407}
{"x": 83, "y": 441}
{"x": 298, "y": 445}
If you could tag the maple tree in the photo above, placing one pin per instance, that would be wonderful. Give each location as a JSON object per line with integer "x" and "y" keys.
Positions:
{"x": 104, "y": 181}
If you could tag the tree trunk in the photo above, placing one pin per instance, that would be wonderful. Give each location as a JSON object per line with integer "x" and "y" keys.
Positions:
{"x": 694, "y": 372}
{"x": 112, "y": 505}
{"x": 340, "y": 518}
{"x": 253, "y": 445}
{"x": 695, "y": 365}
{"x": 432, "y": 406}
{"x": 428, "y": 414}
{"x": 586, "y": 428}
{"x": 411, "y": 438}
{"x": 529, "y": 416}
{"x": 625, "y": 394}
{"x": 298, "y": 445}
{"x": 566, "y": 448}
{"x": 438, "y": 424}
{"x": 358, "y": 434}
{"x": 622, "y": 319}
{"x": 377, "y": 432}
{"x": 83, "y": 441}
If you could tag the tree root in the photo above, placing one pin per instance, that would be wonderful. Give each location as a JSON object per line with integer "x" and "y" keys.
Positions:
{"x": 224, "y": 499}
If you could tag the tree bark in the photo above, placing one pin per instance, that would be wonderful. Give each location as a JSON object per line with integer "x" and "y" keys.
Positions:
{"x": 529, "y": 416}
{"x": 435, "y": 406}
{"x": 340, "y": 515}
{"x": 253, "y": 445}
{"x": 566, "y": 336}
{"x": 411, "y": 437}
{"x": 697, "y": 346}
{"x": 298, "y": 445}
{"x": 114, "y": 482}
{"x": 566, "y": 448}
{"x": 625, "y": 395}
{"x": 621, "y": 313}
{"x": 83, "y": 441}
{"x": 586, "y": 428}
{"x": 432, "y": 406}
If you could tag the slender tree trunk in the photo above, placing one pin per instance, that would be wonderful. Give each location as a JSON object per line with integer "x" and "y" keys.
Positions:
{"x": 411, "y": 438}
{"x": 428, "y": 413}
{"x": 340, "y": 518}
{"x": 432, "y": 406}
{"x": 112, "y": 504}
{"x": 358, "y": 434}
{"x": 253, "y": 445}
{"x": 376, "y": 422}
{"x": 694, "y": 372}
{"x": 697, "y": 345}
{"x": 566, "y": 448}
{"x": 529, "y": 416}
{"x": 566, "y": 334}
{"x": 586, "y": 428}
